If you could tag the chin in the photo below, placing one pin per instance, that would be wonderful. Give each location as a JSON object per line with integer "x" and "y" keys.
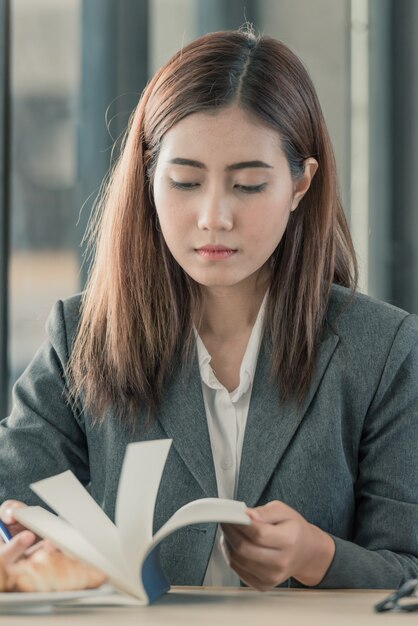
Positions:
{"x": 222, "y": 280}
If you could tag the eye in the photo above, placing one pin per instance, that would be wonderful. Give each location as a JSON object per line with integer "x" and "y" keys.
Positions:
{"x": 185, "y": 186}
{"x": 251, "y": 188}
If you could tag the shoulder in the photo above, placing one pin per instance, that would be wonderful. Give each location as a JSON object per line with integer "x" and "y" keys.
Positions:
{"x": 364, "y": 323}
{"x": 349, "y": 310}
{"x": 63, "y": 320}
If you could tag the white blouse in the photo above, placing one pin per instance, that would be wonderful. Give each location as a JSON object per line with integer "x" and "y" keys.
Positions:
{"x": 226, "y": 414}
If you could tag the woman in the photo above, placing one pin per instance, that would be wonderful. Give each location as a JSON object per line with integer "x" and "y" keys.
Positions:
{"x": 221, "y": 312}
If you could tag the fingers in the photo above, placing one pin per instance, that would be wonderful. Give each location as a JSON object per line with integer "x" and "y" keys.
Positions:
{"x": 6, "y": 516}
{"x": 245, "y": 574}
{"x": 260, "y": 560}
{"x": 6, "y": 510}
{"x": 262, "y": 568}
{"x": 250, "y": 555}
{"x": 264, "y": 553}
{"x": 43, "y": 544}
{"x": 260, "y": 534}
{"x": 242, "y": 542}
{"x": 13, "y": 550}
{"x": 250, "y": 579}
{"x": 273, "y": 512}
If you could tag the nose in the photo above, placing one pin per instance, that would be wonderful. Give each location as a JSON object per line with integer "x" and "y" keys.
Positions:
{"x": 215, "y": 212}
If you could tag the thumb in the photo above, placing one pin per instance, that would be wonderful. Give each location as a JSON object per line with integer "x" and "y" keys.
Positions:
{"x": 7, "y": 509}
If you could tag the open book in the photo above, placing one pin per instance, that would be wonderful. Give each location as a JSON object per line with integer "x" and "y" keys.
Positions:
{"x": 126, "y": 552}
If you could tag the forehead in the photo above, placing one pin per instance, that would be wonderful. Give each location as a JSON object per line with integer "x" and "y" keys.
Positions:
{"x": 230, "y": 134}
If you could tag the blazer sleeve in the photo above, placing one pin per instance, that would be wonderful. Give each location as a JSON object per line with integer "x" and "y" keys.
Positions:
{"x": 43, "y": 435}
{"x": 384, "y": 553}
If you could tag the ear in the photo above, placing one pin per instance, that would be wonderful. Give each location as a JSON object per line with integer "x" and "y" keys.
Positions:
{"x": 304, "y": 182}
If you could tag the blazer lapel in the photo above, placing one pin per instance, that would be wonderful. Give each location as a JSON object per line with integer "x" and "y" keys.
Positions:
{"x": 271, "y": 426}
{"x": 183, "y": 417}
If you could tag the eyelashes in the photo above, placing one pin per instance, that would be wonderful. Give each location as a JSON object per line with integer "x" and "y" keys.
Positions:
{"x": 251, "y": 188}
{"x": 185, "y": 186}
{"x": 243, "y": 188}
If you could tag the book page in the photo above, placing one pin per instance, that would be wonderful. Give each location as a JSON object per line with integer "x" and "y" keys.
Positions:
{"x": 67, "y": 497}
{"x": 141, "y": 473}
{"x": 217, "y": 510}
{"x": 49, "y": 526}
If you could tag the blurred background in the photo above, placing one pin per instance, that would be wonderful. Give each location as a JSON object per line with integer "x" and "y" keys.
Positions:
{"x": 71, "y": 72}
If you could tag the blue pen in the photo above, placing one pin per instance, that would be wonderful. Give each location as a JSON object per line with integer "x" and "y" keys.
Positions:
{"x": 4, "y": 533}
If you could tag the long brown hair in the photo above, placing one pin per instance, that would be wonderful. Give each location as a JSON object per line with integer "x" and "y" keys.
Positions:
{"x": 138, "y": 307}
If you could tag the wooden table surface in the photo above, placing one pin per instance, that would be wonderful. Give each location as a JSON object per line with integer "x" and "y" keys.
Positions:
{"x": 199, "y": 606}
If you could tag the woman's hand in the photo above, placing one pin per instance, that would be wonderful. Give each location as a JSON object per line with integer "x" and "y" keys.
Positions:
{"x": 22, "y": 539}
{"x": 17, "y": 530}
{"x": 12, "y": 551}
{"x": 278, "y": 545}
{"x": 7, "y": 517}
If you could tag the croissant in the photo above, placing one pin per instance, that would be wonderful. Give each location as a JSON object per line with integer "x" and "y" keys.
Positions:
{"x": 3, "y": 575}
{"x": 49, "y": 570}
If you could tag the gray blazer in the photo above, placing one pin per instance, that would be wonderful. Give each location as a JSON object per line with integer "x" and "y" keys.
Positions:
{"x": 347, "y": 460}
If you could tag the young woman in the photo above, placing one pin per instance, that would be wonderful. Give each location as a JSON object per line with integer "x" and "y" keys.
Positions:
{"x": 221, "y": 312}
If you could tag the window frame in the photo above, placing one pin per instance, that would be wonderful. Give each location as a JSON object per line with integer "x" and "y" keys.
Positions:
{"x": 5, "y": 131}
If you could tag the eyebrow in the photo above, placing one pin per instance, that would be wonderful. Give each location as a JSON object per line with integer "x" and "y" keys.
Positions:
{"x": 229, "y": 168}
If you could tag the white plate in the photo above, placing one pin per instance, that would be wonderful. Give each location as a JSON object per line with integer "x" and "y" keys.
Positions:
{"x": 25, "y": 598}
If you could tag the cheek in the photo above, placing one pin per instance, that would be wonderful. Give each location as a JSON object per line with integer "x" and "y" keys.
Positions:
{"x": 269, "y": 228}
{"x": 174, "y": 221}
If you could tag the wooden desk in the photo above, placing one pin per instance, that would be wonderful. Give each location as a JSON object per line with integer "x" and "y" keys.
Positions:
{"x": 196, "y": 606}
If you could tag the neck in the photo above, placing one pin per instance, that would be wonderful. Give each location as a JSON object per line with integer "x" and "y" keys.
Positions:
{"x": 228, "y": 312}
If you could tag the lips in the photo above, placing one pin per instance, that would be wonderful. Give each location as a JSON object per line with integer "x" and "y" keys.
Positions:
{"x": 214, "y": 252}
{"x": 213, "y": 248}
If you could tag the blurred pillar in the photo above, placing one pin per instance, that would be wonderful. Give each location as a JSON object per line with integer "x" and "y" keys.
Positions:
{"x": 216, "y": 15}
{"x": 4, "y": 198}
{"x": 381, "y": 151}
{"x": 404, "y": 90}
{"x": 113, "y": 74}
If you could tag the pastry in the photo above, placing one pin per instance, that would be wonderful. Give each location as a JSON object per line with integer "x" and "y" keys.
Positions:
{"x": 49, "y": 570}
